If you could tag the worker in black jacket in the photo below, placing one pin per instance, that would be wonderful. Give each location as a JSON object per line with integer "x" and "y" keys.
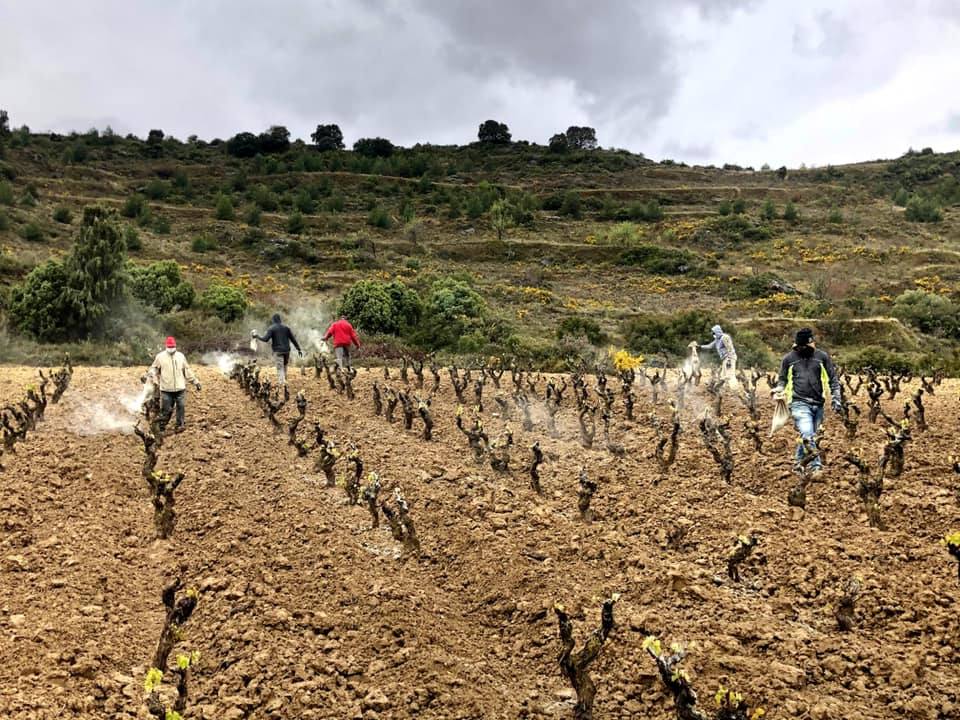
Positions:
{"x": 280, "y": 337}
{"x": 807, "y": 381}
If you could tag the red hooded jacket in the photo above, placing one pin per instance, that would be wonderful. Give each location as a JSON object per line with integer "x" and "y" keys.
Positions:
{"x": 343, "y": 334}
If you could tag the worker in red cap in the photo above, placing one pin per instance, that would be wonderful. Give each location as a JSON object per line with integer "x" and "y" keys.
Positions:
{"x": 171, "y": 372}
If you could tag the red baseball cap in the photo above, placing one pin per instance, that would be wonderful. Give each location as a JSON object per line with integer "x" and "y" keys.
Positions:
{"x": 171, "y": 343}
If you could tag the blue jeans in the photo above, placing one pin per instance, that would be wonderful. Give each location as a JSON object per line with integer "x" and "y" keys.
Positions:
{"x": 169, "y": 400}
{"x": 807, "y": 418}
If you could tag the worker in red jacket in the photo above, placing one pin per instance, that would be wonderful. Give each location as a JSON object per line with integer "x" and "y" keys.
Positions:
{"x": 343, "y": 336}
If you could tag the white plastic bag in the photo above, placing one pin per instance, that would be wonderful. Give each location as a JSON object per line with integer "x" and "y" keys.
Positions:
{"x": 781, "y": 415}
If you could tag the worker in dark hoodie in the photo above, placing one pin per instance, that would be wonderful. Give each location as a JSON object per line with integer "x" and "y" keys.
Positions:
{"x": 807, "y": 381}
{"x": 280, "y": 338}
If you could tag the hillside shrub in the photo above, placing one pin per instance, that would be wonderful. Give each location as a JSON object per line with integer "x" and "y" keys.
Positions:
{"x": 6, "y": 194}
{"x": 879, "y": 358}
{"x": 730, "y": 231}
{"x": 265, "y": 199}
{"x": 156, "y": 190}
{"x": 253, "y": 216}
{"x": 70, "y": 300}
{"x": 134, "y": 206}
{"x": 161, "y": 225}
{"x": 454, "y": 317}
{"x": 649, "y": 211}
{"x": 725, "y": 208}
{"x": 131, "y": 238}
{"x": 578, "y": 326}
{"x": 928, "y": 312}
{"x": 63, "y": 215}
{"x": 377, "y": 147}
{"x": 4, "y": 221}
{"x": 752, "y": 351}
{"x": 669, "y": 335}
{"x": 380, "y": 218}
{"x": 378, "y": 307}
{"x": 790, "y": 213}
{"x": 161, "y": 286}
{"x": 570, "y": 206}
{"x": 31, "y": 232}
{"x": 659, "y": 260}
{"x": 739, "y": 206}
{"x": 224, "y": 208}
{"x": 923, "y": 209}
{"x": 769, "y": 211}
{"x": 295, "y": 223}
{"x": 225, "y": 301}
{"x": 203, "y": 243}
{"x": 901, "y": 197}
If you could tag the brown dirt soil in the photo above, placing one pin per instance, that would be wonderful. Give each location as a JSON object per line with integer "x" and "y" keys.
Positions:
{"x": 305, "y": 612}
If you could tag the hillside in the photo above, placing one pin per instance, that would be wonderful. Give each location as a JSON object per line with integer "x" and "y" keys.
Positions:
{"x": 585, "y": 237}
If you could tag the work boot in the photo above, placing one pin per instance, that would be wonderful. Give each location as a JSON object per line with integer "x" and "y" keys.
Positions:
{"x": 180, "y": 429}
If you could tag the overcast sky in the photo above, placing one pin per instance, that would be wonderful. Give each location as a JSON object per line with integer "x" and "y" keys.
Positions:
{"x": 704, "y": 81}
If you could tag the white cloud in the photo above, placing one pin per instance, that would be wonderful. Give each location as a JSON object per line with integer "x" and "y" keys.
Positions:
{"x": 744, "y": 81}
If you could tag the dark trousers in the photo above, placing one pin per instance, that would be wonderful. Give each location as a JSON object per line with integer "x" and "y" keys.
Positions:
{"x": 167, "y": 402}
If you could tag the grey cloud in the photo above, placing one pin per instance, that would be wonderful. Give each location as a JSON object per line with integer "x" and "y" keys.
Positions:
{"x": 620, "y": 55}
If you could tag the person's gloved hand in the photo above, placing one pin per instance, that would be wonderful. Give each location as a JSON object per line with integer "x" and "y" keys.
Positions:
{"x": 778, "y": 395}
{"x": 300, "y": 353}
{"x": 197, "y": 386}
{"x": 836, "y": 405}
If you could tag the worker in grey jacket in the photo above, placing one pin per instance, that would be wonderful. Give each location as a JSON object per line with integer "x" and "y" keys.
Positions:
{"x": 723, "y": 344}
{"x": 808, "y": 379}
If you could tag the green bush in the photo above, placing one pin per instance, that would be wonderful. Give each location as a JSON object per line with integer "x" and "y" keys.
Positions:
{"x": 203, "y": 243}
{"x": 725, "y": 208}
{"x": 157, "y": 190}
{"x": 790, "y": 213}
{"x": 576, "y": 327}
{"x": 131, "y": 238}
{"x": 265, "y": 199}
{"x": 225, "y": 301}
{"x": 161, "y": 286}
{"x": 37, "y": 307}
{"x": 455, "y": 317}
{"x": 659, "y": 260}
{"x": 901, "y": 197}
{"x": 923, "y": 209}
{"x": 623, "y": 234}
{"x": 739, "y": 206}
{"x": 759, "y": 285}
{"x": 295, "y": 223}
{"x": 929, "y": 313}
{"x": 752, "y": 351}
{"x": 769, "y": 211}
{"x": 666, "y": 334}
{"x": 161, "y": 225}
{"x": 380, "y": 218}
{"x": 253, "y": 216}
{"x": 304, "y": 202}
{"x": 570, "y": 206}
{"x": 134, "y": 206}
{"x": 4, "y": 221}
{"x": 335, "y": 203}
{"x": 31, "y": 232}
{"x": 224, "y": 208}
{"x": 71, "y": 300}
{"x": 879, "y": 358}
{"x": 835, "y": 216}
{"x": 63, "y": 215}
{"x": 733, "y": 230}
{"x": 378, "y": 307}
{"x": 6, "y": 194}
{"x": 647, "y": 212}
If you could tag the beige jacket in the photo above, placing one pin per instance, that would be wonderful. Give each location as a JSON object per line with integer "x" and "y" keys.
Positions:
{"x": 173, "y": 371}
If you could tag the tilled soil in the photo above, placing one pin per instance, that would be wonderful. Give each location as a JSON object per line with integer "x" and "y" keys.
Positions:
{"x": 307, "y": 612}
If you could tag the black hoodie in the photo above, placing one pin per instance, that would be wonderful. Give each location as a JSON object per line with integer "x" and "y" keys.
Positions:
{"x": 279, "y": 336}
